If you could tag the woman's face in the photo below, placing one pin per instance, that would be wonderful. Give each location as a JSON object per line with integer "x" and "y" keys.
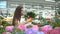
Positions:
{"x": 22, "y": 11}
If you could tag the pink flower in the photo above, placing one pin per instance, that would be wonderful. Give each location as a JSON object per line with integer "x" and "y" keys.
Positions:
{"x": 22, "y": 27}
{"x": 35, "y": 27}
{"x": 46, "y": 28}
{"x": 4, "y": 33}
{"x": 9, "y": 28}
{"x": 56, "y": 30}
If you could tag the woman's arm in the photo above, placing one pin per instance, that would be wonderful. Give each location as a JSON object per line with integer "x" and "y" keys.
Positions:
{"x": 28, "y": 20}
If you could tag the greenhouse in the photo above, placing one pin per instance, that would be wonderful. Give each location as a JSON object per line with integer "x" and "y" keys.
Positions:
{"x": 29, "y": 16}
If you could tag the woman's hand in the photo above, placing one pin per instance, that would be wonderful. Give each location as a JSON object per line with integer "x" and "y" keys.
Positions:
{"x": 28, "y": 20}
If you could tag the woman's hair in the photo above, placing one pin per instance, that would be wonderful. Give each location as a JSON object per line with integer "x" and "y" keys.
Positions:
{"x": 17, "y": 14}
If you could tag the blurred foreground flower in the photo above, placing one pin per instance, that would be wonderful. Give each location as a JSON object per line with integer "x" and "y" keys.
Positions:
{"x": 40, "y": 33}
{"x": 6, "y": 33}
{"x": 9, "y": 28}
{"x": 22, "y": 27}
{"x": 47, "y": 28}
{"x": 56, "y": 30}
{"x": 35, "y": 27}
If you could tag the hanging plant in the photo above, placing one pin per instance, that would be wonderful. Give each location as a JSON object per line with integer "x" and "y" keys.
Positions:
{"x": 30, "y": 15}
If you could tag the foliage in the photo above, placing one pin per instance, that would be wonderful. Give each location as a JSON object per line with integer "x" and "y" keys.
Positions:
{"x": 3, "y": 23}
{"x": 17, "y": 30}
{"x": 55, "y": 24}
{"x": 1, "y": 17}
{"x": 58, "y": 12}
{"x": 1, "y": 30}
{"x": 57, "y": 20}
{"x": 29, "y": 26}
{"x": 30, "y": 14}
{"x": 40, "y": 18}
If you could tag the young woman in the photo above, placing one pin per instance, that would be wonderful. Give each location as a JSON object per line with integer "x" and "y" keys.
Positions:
{"x": 17, "y": 16}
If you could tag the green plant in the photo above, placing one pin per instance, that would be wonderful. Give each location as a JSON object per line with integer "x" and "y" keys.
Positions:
{"x": 30, "y": 14}
{"x": 5, "y": 23}
{"x": 57, "y": 20}
{"x": 1, "y": 26}
{"x": 2, "y": 29}
{"x": 29, "y": 26}
{"x": 55, "y": 24}
{"x": 1, "y": 17}
{"x": 40, "y": 18}
{"x": 0, "y": 21}
{"x": 59, "y": 12}
{"x": 17, "y": 30}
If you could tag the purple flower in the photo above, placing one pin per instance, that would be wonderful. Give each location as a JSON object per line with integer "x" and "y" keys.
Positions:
{"x": 30, "y": 31}
{"x": 40, "y": 32}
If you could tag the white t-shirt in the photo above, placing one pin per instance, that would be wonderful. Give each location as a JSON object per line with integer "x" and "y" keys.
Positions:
{"x": 22, "y": 20}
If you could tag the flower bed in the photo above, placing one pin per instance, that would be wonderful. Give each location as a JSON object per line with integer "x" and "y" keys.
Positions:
{"x": 22, "y": 29}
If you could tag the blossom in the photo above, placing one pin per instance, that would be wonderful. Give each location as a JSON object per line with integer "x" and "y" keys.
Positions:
{"x": 35, "y": 27}
{"x": 4, "y": 33}
{"x": 9, "y": 28}
{"x": 46, "y": 28}
{"x": 40, "y": 32}
{"x": 22, "y": 27}
{"x": 30, "y": 31}
{"x": 56, "y": 30}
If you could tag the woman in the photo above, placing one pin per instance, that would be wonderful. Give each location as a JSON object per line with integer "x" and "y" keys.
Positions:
{"x": 17, "y": 16}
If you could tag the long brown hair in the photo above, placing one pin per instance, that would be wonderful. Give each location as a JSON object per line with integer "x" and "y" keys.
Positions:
{"x": 17, "y": 14}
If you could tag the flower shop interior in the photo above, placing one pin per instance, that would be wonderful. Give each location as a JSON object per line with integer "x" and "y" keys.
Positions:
{"x": 43, "y": 17}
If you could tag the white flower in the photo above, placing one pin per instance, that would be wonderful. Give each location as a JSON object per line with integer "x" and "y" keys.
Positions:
{"x": 8, "y": 33}
{"x": 1, "y": 26}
